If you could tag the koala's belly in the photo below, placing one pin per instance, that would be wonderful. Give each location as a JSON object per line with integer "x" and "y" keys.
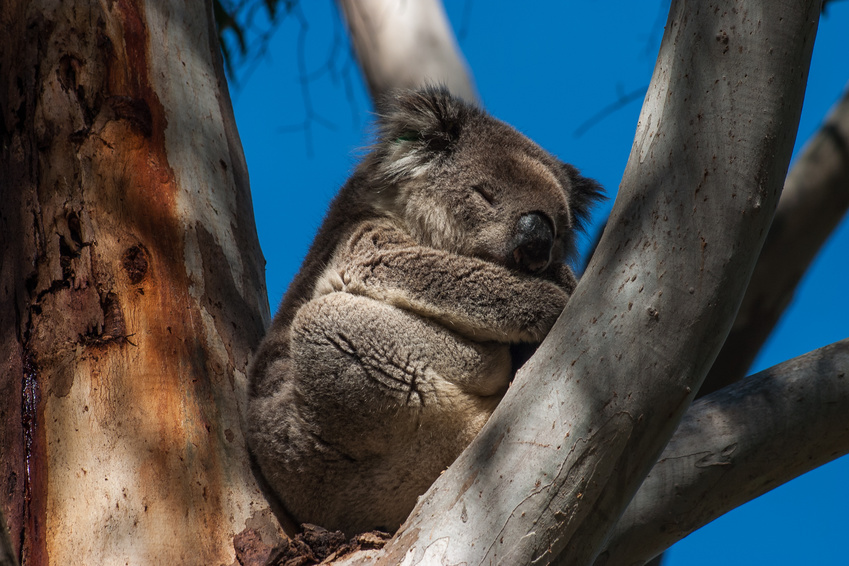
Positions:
{"x": 386, "y": 400}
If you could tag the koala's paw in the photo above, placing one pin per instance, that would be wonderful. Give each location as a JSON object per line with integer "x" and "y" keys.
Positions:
{"x": 546, "y": 308}
{"x": 333, "y": 280}
{"x": 343, "y": 278}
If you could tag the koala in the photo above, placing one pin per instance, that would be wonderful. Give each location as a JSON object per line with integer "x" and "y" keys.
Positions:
{"x": 440, "y": 262}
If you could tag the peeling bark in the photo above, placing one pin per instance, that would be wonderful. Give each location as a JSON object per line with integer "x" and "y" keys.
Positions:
{"x": 132, "y": 287}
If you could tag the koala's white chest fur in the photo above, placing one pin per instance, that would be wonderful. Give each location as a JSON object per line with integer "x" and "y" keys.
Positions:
{"x": 397, "y": 339}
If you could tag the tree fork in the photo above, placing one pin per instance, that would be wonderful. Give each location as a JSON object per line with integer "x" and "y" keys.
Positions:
{"x": 588, "y": 416}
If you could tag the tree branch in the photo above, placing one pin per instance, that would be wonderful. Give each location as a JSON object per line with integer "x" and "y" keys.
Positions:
{"x": 589, "y": 414}
{"x": 406, "y": 45}
{"x": 735, "y": 445}
{"x": 815, "y": 199}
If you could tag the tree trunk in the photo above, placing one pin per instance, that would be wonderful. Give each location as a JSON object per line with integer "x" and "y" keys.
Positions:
{"x": 131, "y": 288}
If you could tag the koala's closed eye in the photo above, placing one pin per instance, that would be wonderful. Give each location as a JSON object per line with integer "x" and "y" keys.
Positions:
{"x": 485, "y": 193}
{"x": 421, "y": 295}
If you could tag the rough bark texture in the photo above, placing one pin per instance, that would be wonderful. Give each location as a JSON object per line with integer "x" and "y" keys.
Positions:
{"x": 406, "y": 45}
{"x": 735, "y": 445}
{"x": 815, "y": 199}
{"x": 131, "y": 287}
{"x": 586, "y": 419}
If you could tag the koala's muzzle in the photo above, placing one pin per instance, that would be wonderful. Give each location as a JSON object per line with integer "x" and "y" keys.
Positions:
{"x": 533, "y": 242}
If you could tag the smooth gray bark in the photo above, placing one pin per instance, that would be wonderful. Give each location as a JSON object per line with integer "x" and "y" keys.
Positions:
{"x": 814, "y": 201}
{"x": 586, "y": 419}
{"x": 406, "y": 45}
{"x": 735, "y": 445}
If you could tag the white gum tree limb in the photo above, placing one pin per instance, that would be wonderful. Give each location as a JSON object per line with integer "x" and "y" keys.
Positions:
{"x": 814, "y": 200}
{"x": 406, "y": 45}
{"x": 736, "y": 444}
{"x": 588, "y": 416}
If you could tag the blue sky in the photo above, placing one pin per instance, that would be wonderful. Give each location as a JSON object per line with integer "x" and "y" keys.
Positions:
{"x": 546, "y": 69}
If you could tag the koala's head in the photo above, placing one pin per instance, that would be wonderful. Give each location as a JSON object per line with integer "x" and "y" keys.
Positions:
{"x": 462, "y": 181}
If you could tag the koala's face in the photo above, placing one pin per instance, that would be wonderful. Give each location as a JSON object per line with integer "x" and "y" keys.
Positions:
{"x": 466, "y": 183}
{"x": 497, "y": 197}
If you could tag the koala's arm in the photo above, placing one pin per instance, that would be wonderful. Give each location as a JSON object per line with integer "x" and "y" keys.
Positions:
{"x": 475, "y": 298}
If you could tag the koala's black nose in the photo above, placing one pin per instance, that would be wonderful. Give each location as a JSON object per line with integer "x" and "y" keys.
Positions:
{"x": 533, "y": 242}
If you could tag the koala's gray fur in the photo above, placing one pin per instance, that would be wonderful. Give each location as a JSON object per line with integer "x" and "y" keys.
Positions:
{"x": 394, "y": 343}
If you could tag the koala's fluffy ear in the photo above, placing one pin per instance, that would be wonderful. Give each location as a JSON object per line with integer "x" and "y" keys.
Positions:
{"x": 585, "y": 192}
{"x": 416, "y": 128}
